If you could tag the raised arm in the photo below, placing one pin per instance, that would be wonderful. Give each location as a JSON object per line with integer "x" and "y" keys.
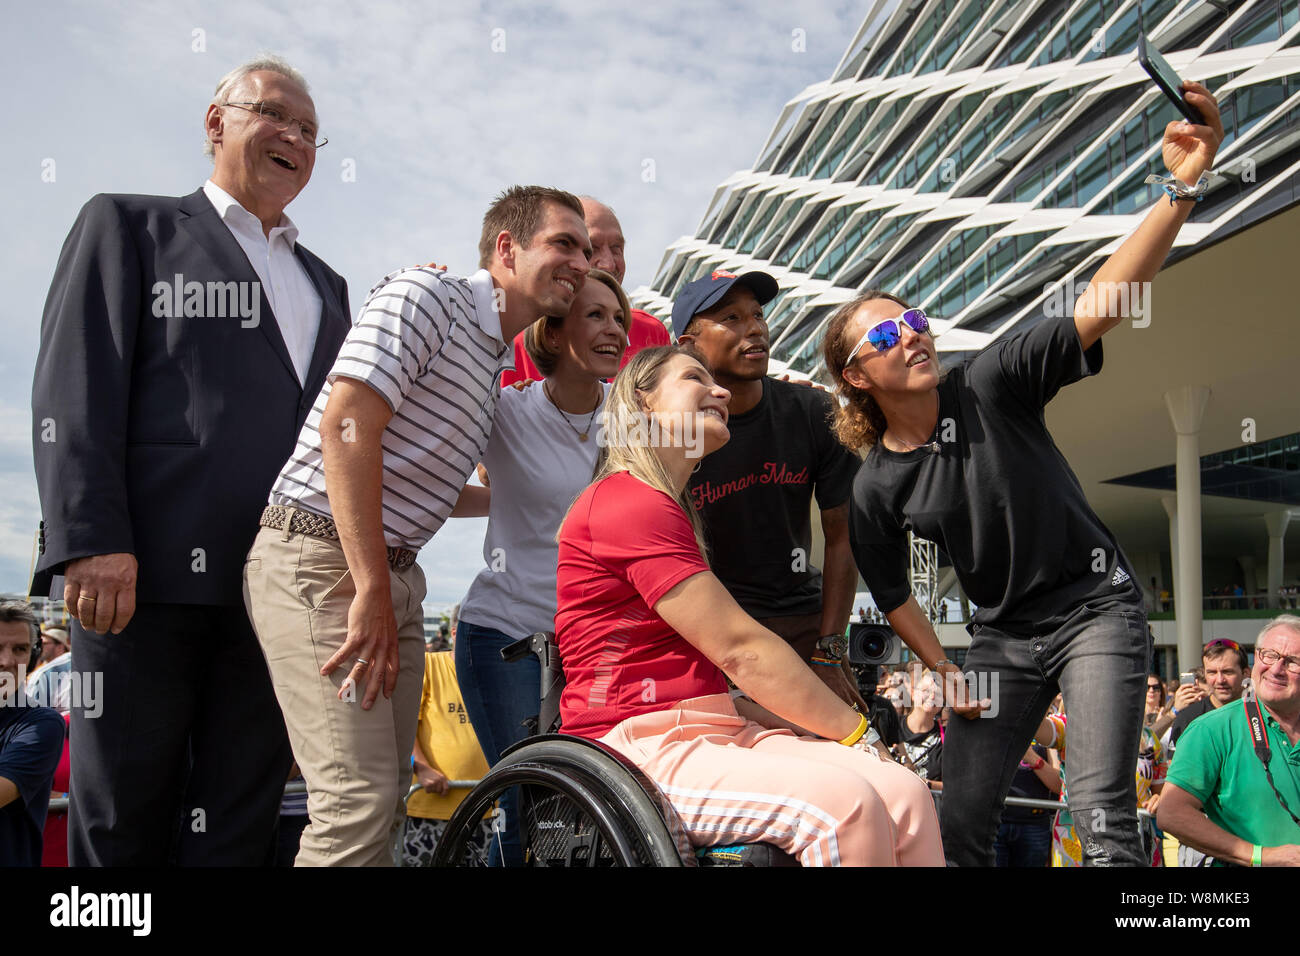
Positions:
{"x": 1188, "y": 151}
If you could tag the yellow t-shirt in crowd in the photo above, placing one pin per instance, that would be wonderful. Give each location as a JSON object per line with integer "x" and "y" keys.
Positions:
{"x": 446, "y": 737}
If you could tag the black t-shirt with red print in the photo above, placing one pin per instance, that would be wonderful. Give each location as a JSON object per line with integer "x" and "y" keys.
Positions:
{"x": 755, "y": 496}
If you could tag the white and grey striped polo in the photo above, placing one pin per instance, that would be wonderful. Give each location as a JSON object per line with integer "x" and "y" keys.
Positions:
{"x": 431, "y": 345}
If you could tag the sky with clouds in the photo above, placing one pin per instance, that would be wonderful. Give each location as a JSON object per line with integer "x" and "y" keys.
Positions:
{"x": 417, "y": 102}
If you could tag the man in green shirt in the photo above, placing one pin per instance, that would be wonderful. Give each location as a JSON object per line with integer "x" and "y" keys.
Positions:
{"x": 1217, "y": 796}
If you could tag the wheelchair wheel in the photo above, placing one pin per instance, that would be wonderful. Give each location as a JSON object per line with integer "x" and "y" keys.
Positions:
{"x": 578, "y": 806}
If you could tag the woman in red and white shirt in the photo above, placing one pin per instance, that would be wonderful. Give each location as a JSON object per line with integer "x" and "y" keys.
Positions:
{"x": 647, "y": 633}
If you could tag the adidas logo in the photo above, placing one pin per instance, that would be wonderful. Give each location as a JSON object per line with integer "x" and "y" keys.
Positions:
{"x": 1119, "y": 577}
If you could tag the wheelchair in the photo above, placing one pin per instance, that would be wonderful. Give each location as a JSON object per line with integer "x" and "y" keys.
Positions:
{"x": 580, "y": 802}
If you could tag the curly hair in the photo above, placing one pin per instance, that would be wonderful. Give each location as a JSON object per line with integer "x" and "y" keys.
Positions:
{"x": 858, "y": 422}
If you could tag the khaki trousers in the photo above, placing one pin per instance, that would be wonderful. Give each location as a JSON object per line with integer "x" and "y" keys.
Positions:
{"x": 356, "y": 762}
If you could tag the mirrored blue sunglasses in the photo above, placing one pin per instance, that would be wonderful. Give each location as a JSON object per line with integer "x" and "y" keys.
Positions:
{"x": 886, "y": 335}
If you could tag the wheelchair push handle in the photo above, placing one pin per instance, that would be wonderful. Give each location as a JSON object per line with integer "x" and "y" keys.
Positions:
{"x": 542, "y": 644}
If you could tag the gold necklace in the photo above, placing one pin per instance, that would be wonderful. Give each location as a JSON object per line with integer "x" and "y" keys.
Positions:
{"x": 582, "y": 435}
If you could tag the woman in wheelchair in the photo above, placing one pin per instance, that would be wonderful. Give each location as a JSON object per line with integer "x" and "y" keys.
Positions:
{"x": 648, "y": 637}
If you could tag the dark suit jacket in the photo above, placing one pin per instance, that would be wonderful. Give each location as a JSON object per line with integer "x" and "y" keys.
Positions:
{"x": 155, "y": 435}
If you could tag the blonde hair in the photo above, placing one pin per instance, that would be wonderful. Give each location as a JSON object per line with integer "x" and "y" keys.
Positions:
{"x": 625, "y": 417}
{"x": 540, "y": 351}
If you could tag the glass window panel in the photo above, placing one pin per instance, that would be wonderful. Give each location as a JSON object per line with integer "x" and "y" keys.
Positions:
{"x": 886, "y": 49}
{"x": 848, "y": 243}
{"x": 919, "y": 40}
{"x": 1059, "y": 153}
{"x": 882, "y": 125}
{"x": 1263, "y": 25}
{"x": 973, "y": 141}
{"x": 772, "y": 235}
{"x": 724, "y": 221}
{"x": 809, "y": 159}
{"x": 844, "y": 138}
{"x": 874, "y": 249}
{"x": 764, "y": 207}
{"x": 939, "y": 265}
{"x": 1194, "y": 30}
{"x": 945, "y": 132}
{"x": 744, "y": 216}
{"x": 779, "y": 137}
{"x": 1121, "y": 36}
{"x": 801, "y": 231}
{"x": 900, "y": 144}
{"x": 798, "y": 334}
{"x": 813, "y": 250}
{"x": 952, "y": 38}
{"x": 1031, "y": 33}
{"x": 813, "y": 114}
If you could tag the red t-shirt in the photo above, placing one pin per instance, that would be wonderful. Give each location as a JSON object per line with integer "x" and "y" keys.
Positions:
{"x": 647, "y": 331}
{"x": 623, "y": 546}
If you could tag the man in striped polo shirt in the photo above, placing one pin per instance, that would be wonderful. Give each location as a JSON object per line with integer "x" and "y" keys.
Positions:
{"x": 331, "y": 581}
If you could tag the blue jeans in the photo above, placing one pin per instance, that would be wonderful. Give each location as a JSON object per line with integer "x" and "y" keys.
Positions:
{"x": 1097, "y": 660}
{"x": 1024, "y": 844}
{"x": 499, "y": 697}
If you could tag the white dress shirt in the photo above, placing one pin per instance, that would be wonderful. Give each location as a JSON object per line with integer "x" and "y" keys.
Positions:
{"x": 288, "y": 288}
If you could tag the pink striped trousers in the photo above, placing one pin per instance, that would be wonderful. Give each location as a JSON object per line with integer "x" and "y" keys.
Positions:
{"x": 734, "y": 781}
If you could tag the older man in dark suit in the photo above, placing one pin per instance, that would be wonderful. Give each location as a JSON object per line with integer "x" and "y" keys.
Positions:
{"x": 183, "y": 343}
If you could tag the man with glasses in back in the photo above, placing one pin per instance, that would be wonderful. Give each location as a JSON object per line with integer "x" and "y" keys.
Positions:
{"x": 1234, "y": 788}
{"x": 182, "y": 345}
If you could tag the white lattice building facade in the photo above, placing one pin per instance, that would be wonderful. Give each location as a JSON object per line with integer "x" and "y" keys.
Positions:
{"x": 978, "y": 157}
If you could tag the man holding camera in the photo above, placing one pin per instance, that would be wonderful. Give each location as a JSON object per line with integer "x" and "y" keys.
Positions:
{"x": 1224, "y": 663}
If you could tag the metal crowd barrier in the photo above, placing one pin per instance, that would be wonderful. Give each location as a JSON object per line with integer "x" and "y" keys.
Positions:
{"x": 60, "y": 804}
{"x": 1035, "y": 804}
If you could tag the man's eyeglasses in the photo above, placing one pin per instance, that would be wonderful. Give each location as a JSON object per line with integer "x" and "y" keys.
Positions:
{"x": 887, "y": 334}
{"x": 1268, "y": 657}
{"x": 277, "y": 117}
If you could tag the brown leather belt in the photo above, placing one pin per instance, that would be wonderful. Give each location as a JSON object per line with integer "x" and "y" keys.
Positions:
{"x": 319, "y": 526}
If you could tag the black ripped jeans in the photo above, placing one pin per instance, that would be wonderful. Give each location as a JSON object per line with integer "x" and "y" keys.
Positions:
{"x": 1098, "y": 659}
